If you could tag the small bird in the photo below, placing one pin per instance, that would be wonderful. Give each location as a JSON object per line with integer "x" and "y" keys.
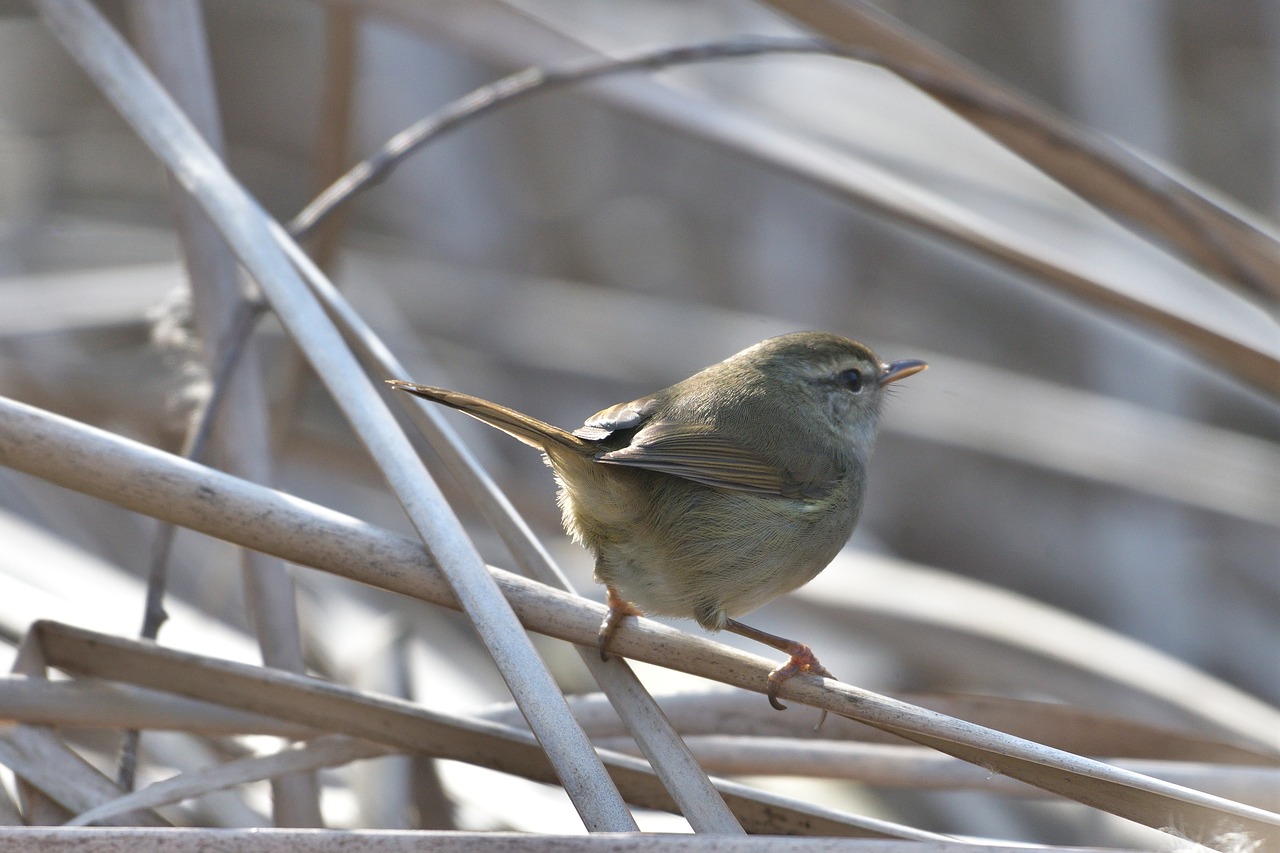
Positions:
{"x": 712, "y": 497}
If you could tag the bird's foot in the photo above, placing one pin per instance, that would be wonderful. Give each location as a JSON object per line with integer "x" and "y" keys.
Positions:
{"x": 802, "y": 660}
{"x": 619, "y": 608}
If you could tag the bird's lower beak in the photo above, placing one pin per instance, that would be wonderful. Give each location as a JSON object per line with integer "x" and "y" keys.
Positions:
{"x": 895, "y": 370}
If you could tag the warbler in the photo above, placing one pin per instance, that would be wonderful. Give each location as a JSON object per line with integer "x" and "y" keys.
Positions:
{"x": 711, "y": 497}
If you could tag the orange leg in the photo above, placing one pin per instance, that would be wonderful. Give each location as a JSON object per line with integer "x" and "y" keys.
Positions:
{"x": 802, "y": 658}
{"x": 618, "y": 608}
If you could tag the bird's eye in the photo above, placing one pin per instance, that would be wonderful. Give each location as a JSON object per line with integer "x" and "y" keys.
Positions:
{"x": 851, "y": 379}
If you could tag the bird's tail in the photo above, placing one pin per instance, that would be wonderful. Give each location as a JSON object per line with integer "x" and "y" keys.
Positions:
{"x": 516, "y": 424}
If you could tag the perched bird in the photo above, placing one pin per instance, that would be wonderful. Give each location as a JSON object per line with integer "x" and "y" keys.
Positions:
{"x": 716, "y": 495}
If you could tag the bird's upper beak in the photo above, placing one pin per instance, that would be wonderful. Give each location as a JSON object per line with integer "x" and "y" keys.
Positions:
{"x": 895, "y": 370}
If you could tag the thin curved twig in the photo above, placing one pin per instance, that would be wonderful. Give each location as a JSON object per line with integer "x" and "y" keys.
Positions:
{"x": 1118, "y": 162}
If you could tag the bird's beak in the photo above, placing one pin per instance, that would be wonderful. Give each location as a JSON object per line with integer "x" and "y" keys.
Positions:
{"x": 895, "y": 370}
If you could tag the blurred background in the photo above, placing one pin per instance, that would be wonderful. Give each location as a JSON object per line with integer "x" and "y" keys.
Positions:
{"x": 583, "y": 247}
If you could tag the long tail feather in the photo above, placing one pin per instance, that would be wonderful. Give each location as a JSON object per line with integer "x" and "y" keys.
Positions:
{"x": 516, "y": 424}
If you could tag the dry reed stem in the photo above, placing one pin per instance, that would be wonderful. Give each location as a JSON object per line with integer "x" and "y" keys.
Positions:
{"x": 1246, "y": 351}
{"x": 1211, "y": 236}
{"x": 404, "y": 726}
{"x": 95, "y": 840}
{"x": 662, "y": 747}
{"x": 162, "y": 126}
{"x": 156, "y": 483}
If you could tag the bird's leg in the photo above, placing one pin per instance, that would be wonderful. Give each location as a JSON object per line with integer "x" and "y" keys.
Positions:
{"x": 802, "y": 658}
{"x": 618, "y": 608}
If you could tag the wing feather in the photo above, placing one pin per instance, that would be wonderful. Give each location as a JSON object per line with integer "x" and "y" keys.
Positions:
{"x": 698, "y": 453}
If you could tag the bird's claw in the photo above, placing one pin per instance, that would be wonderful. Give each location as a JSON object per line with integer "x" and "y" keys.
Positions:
{"x": 802, "y": 660}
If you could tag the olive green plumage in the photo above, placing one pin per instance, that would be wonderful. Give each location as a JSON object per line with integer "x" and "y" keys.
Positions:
{"x": 711, "y": 497}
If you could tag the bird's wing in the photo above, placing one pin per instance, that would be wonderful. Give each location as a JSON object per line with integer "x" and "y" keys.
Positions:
{"x": 700, "y": 453}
